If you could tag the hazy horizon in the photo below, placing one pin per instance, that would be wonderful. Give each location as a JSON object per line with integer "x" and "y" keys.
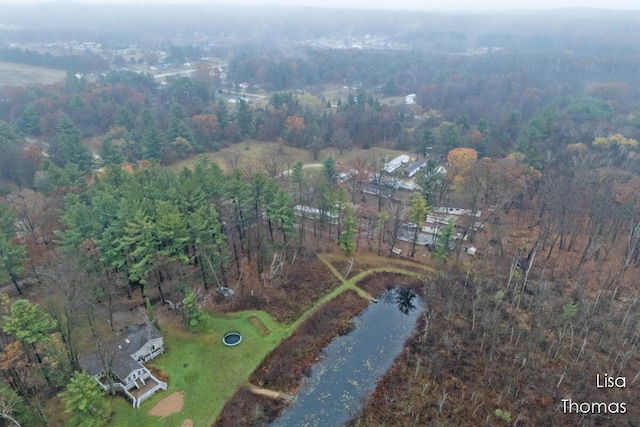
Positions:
{"x": 425, "y": 5}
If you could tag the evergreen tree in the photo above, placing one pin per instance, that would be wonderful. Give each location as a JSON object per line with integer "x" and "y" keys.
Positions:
{"x": 111, "y": 153}
{"x": 177, "y": 127}
{"x": 154, "y": 143}
{"x": 349, "y": 232}
{"x": 208, "y": 241}
{"x": 85, "y": 401}
{"x": 29, "y": 121}
{"x": 12, "y": 254}
{"x": 244, "y": 119}
{"x": 417, "y": 214}
{"x": 444, "y": 241}
{"x": 67, "y": 146}
{"x": 28, "y": 322}
{"x": 429, "y": 179}
{"x": 8, "y": 135}
{"x": 427, "y": 142}
{"x": 330, "y": 170}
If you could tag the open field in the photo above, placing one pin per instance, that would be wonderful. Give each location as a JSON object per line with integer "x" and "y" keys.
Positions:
{"x": 251, "y": 152}
{"x": 12, "y": 74}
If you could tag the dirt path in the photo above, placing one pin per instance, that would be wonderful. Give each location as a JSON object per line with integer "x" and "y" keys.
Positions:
{"x": 169, "y": 405}
{"x": 269, "y": 393}
{"x": 187, "y": 423}
{"x": 264, "y": 392}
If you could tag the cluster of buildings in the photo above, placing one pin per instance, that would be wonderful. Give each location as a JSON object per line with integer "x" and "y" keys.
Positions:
{"x": 386, "y": 183}
{"x": 403, "y": 160}
{"x": 439, "y": 218}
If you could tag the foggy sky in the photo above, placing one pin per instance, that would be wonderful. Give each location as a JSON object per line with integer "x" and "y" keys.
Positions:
{"x": 453, "y": 5}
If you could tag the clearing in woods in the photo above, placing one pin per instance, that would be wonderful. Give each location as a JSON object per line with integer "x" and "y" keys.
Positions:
{"x": 253, "y": 152}
{"x": 12, "y": 74}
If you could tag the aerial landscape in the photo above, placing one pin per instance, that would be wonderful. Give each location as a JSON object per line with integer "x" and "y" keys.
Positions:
{"x": 289, "y": 214}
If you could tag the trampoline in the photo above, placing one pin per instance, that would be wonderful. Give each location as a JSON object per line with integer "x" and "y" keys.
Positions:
{"x": 232, "y": 338}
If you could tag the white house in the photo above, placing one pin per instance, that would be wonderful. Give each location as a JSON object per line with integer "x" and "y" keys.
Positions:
{"x": 414, "y": 167}
{"x": 119, "y": 364}
{"x": 394, "y": 164}
{"x": 315, "y": 213}
{"x": 410, "y": 99}
{"x": 142, "y": 343}
{"x": 456, "y": 211}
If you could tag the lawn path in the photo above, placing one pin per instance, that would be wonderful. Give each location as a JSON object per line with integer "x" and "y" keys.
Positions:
{"x": 352, "y": 283}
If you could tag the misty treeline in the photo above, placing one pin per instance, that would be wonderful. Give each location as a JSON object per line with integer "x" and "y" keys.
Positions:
{"x": 152, "y": 25}
{"x": 548, "y": 100}
{"x": 85, "y": 62}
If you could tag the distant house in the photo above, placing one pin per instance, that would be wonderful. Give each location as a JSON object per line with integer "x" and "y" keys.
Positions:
{"x": 378, "y": 190}
{"x": 121, "y": 367}
{"x": 315, "y": 213}
{"x": 456, "y": 211}
{"x": 413, "y": 168}
{"x": 394, "y": 164}
{"x": 453, "y": 213}
{"x": 410, "y": 99}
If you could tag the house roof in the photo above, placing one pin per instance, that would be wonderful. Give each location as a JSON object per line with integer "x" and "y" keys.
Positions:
{"x": 123, "y": 365}
{"x": 136, "y": 336}
{"x": 415, "y": 165}
{"x": 90, "y": 363}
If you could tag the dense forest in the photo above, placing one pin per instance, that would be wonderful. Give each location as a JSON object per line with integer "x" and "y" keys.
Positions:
{"x": 540, "y": 133}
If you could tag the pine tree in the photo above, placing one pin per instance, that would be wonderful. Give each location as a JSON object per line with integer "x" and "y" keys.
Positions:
{"x": 13, "y": 255}
{"x": 417, "y": 214}
{"x": 85, "y": 401}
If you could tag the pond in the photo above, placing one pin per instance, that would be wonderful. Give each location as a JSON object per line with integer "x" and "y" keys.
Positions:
{"x": 351, "y": 364}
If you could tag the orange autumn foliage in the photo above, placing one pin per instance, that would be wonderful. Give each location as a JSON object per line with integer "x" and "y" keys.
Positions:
{"x": 295, "y": 124}
{"x": 462, "y": 155}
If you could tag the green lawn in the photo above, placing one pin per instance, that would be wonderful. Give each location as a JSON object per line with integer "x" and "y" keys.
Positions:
{"x": 213, "y": 374}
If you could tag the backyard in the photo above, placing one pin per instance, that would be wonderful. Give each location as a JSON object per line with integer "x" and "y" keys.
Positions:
{"x": 202, "y": 368}
{"x": 207, "y": 374}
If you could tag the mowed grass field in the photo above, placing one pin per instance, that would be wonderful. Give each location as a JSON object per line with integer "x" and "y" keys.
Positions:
{"x": 12, "y": 74}
{"x": 251, "y": 152}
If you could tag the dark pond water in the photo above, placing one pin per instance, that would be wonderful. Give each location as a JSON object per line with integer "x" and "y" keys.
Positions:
{"x": 351, "y": 364}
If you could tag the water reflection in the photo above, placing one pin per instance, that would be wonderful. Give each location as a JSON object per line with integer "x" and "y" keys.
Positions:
{"x": 403, "y": 297}
{"x": 351, "y": 364}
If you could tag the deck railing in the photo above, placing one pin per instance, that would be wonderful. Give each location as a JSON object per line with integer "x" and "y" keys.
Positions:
{"x": 161, "y": 385}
